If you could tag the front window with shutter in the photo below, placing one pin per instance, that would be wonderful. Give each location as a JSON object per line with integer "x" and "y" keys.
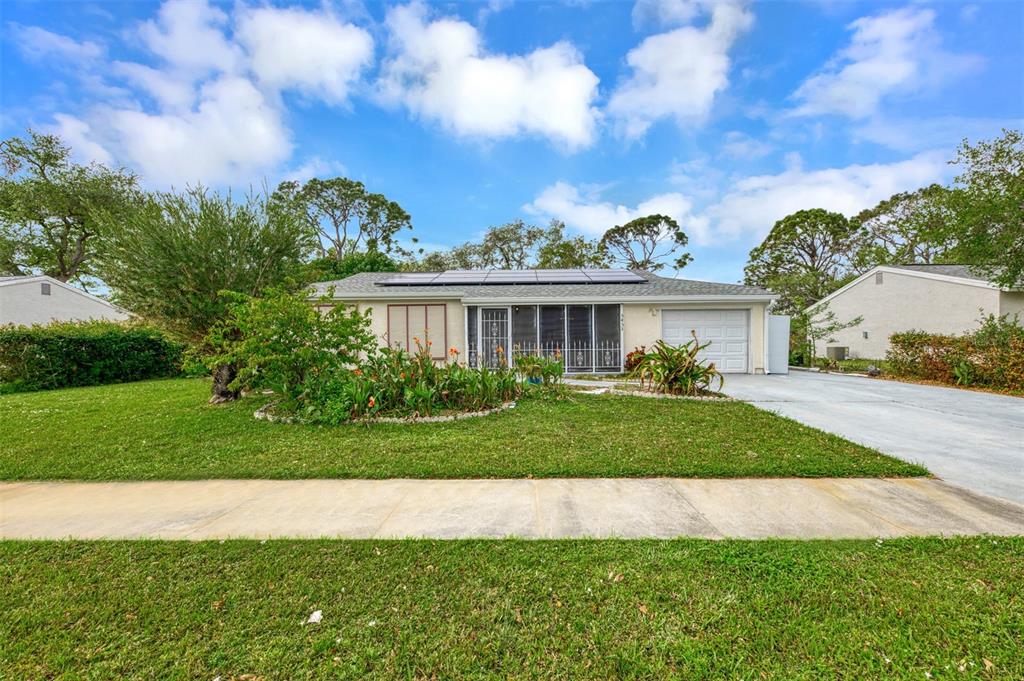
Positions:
{"x": 427, "y": 324}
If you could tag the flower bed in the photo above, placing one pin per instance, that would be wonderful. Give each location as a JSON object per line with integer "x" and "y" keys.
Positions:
{"x": 327, "y": 368}
{"x": 266, "y": 413}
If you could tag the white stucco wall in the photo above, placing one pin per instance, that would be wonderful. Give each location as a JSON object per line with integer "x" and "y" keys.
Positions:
{"x": 903, "y": 302}
{"x": 22, "y": 303}
{"x": 379, "y": 319}
{"x": 1012, "y": 303}
{"x": 642, "y": 325}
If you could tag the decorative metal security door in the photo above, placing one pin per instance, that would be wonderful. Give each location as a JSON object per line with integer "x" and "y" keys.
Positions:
{"x": 494, "y": 336}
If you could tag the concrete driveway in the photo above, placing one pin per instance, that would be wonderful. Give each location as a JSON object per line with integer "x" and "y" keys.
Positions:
{"x": 969, "y": 438}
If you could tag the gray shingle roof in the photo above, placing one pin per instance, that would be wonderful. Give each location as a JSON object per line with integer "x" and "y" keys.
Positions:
{"x": 364, "y": 286}
{"x": 961, "y": 271}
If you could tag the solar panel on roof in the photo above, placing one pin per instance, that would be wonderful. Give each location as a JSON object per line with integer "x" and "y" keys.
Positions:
{"x": 613, "y": 277}
{"x": 455, "y": 277}
{"x": 497, "y": 277}
{"x": 562, "y": 277}
{"x": 511, "y": 277}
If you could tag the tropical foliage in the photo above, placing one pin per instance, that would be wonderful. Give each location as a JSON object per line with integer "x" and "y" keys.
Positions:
{"x": 538, "y": 369}
{"x": 393, "y": 382}
{"x": 281, "y": 342}
{"x": 322, "y": 364}
{"x": 677, "y": 370}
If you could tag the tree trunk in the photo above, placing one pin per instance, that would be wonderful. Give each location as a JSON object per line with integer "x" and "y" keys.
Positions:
{"x": 223, "y": 375}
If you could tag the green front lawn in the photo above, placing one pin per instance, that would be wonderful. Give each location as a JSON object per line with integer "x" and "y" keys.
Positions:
{"x": 165, "y": 430}
{"x": 571, "y": 609}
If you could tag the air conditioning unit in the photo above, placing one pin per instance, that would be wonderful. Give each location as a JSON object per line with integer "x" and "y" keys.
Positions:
{"x": 836, "y": 353}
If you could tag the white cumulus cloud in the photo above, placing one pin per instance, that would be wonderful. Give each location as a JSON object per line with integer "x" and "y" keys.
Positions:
{"x": 587, "y": 212}
{"x": 755, "y": 203}
{"x": 208, "y": 108}
{"x": 895, "y": 53}
{"x": 230, "y": 136}
{"x": 313, "y": 52}
{"x": 440, "y": 70}
{"x": 37, "y": 44}
{"x": 677, "y": 74}
{"x": 188, "y": 35}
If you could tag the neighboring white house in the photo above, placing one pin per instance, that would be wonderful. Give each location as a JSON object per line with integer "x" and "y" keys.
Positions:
{"x": 946, "y": 299}
{"x": 41, "y": 300}
{"x": 591, "y": 318}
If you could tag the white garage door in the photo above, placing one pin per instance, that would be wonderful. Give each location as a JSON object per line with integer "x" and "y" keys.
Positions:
{"x": 726, "y": 330}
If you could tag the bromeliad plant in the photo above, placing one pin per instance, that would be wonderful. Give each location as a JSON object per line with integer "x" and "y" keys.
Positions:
{"x": 677, "y": 370}
{"x": 537, "y": 369}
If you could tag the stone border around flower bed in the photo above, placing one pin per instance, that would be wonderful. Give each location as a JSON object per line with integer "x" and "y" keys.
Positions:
{"x": 658, "y": 396}
{"x": 264, "y": 414}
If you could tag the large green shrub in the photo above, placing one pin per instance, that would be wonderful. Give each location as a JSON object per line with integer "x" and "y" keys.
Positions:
{"x": 70, "y": 354}
{"x": 992, "y": 356}
{"x": 325, "y": 366}
{"x": 281, "y": 342}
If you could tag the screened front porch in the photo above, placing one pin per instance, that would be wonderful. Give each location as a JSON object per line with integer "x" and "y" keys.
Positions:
{"x": 586, "y": 338}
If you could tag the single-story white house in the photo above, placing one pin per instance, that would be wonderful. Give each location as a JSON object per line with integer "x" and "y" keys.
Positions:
{"x": 41, "y": 299}
{"x": 945, "y": 299}
{"x": 590, "y": 317}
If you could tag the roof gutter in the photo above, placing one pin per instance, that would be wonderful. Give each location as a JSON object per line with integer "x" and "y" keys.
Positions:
{"x": 527, "y": 300}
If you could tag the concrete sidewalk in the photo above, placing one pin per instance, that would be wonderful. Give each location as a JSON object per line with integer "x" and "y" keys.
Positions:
{"x": 744, "y": 508}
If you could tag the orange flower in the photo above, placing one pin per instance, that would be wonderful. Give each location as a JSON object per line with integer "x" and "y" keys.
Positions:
{"x": 402, "y": 375}
{"x": 453, "y": 351}
{"x": 373, "y": 402}
{"x": 357, "y": 372}
{"x": 415, "y": 340}
{"x": 500, "y": 350}
{"x": 429, "y": 343}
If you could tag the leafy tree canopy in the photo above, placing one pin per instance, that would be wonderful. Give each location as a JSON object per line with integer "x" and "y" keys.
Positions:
{"x": 805, "y": 257}
{"x": 644, "y": 243}
{"x": 988, "y": 208}
{"x": 345, "y": 216}
{"x": 558, "y": 252}
{"x": 517, "y": 245}
{"x": 52, "y": 210}
{"x": 178, "y": 252}
{"x": 332, "y": 269}
{"x": 907, "y": 228}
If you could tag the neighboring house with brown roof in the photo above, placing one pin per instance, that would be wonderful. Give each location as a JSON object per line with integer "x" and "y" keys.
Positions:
{"x": 41, "y": 299}
{"x": 591, "y": 318}
{"x": 946, "y": 299}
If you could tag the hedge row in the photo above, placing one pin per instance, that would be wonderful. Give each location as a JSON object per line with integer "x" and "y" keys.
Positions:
{"x": 70, "y": 354}
{"x": 992, "y": 356}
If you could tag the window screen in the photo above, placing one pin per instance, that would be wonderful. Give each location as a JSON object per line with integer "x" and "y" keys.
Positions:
{"x": 524, "y": 328}
{"x": 607, "y": 344}
{"x": 580, "y": 345}
{"x": 552, "y": 329}
{"x": 472, "y": 336}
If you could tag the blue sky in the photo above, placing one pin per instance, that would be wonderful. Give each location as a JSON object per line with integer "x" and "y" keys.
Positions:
{"x": 725, "y": 115}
